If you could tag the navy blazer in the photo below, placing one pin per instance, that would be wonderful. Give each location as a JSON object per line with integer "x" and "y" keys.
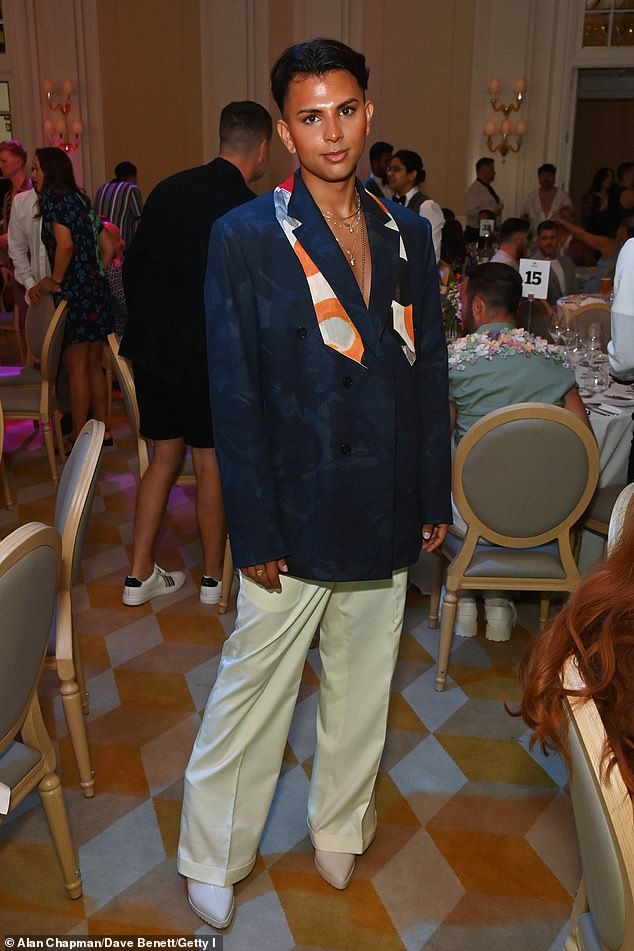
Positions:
{"x": 331, "y": 464}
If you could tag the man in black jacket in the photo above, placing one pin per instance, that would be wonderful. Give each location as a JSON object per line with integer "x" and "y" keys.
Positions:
{"x": 164, "y": 275}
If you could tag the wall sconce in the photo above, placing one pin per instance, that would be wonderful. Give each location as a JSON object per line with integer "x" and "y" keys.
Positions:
{"x": 504, "y": 146}
{"x": 58, "y": 133}
{"x": 494, "y": 88}
{"x": 505, "y": 129}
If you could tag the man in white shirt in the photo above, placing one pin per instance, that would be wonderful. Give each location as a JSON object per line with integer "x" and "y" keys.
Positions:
{"x": 513, "y": 242}
{"x": 481, "y": 196}
{"x": 621, "y": 346}
{"x": 547, "y": 200}
{"x": 26, "y": 249}
{"x": 404, "y": 174}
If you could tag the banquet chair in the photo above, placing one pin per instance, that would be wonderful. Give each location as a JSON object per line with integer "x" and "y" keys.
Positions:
{"x": 32, "y": 551}
{"x": 32, "y": 396}
{"x": 125, "y": 376}
{"x": 594, "y": 313}
{"x": 535, "y": 316}
{"x": 622, "y": 511}
{"x": 522, "y": 477}
{"x": 73, "y": 506}
{"x": 603, "y": 911}
{"x": 10, "y": 325}
{"x": 597, "y": 516}
{"x": 38, "y": 319}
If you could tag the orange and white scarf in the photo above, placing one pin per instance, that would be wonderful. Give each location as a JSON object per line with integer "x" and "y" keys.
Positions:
{"x": 337, "y": 329}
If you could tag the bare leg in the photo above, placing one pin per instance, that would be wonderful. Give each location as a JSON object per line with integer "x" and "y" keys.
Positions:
{"x": 151, "y": 502}
{"x": 76, "y": 361}
{"x": 97, "y": 377}
{"x": 210, "y": 511}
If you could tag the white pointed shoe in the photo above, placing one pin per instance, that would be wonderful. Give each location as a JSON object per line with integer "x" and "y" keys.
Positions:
{"x": 335, "y": 867}
{"x": 215, "y": 904}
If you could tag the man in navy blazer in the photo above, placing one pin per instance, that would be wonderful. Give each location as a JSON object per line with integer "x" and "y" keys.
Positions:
{"x": 328, "y": 375}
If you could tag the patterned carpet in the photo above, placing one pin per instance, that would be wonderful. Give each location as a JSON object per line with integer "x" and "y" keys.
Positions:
{"x": 476, "y": 849}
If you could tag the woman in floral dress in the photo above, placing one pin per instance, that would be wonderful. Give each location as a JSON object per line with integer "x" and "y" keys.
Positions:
{"x": 78, "y": 249}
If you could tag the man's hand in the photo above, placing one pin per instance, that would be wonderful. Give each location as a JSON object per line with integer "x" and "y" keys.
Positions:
{"x": 267, "y": 575}
{"x": 433, "y": 536}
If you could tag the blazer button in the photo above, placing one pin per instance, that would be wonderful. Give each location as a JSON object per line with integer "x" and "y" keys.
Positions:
{"x": 346, "y": 448}
{"x": 301, "y": 332}
{"x": 347, "y": 381}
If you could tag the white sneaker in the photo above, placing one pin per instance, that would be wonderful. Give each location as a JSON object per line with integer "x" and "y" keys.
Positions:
{"x": 215, "y": 904}
{"x": 210, "y": 590}
{"x": 466, "y": 618}
{"x": 501, "y": 616}
{"x": 160, "y": 582}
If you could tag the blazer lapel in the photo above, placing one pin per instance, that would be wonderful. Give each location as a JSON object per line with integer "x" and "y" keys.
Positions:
{"x": 317, "y": 240}
{"x": 384, "y": 244}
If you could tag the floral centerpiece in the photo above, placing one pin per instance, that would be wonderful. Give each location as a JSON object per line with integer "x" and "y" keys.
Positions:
{"x": 451, "y": 309}
{"x": 501, "y": 343}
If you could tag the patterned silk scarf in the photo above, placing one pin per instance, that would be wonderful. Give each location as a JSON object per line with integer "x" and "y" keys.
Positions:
{"x": 337, "y": 329}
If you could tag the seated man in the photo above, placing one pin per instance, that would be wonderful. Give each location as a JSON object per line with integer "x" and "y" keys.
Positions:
{"x": 513, "y": 242}
{"x": 561, "y": 278}
{"x": 497, "y": 365}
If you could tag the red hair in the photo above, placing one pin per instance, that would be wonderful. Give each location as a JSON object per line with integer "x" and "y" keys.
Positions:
{"x": 597, "y": 627}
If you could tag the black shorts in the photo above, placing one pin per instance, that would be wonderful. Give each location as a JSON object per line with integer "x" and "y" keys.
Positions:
{"x": 172, "y": 412}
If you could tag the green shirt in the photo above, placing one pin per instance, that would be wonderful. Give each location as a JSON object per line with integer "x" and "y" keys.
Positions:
{"x": 483, "y": 378}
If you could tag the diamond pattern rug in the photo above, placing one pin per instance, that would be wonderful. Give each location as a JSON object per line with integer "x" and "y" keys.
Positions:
{"x": 476, "y": 847}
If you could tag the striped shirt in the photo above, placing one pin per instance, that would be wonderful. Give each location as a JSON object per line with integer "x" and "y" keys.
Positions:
{"x": 120, "y": 203}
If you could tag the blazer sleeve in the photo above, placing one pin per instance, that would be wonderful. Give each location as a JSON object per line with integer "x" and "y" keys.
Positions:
{"x": 434, "y": 399}
{"x": 238, "y": 402}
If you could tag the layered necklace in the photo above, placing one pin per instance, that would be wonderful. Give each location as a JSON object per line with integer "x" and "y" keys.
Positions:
{"x": 354, "y": 225}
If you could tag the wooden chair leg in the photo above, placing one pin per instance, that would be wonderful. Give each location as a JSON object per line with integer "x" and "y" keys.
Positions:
{"x": 544, "y": 609}
{"x": 50, "y": 448}
{"x": 59, "y": 435}
{"x": 438, "y": 576}
{"x": 6, "y": 491}
{"x": 227, "y": 579}
{"x": 53, "y": 804}
{"x": 71, "y": 700}
{"x": 447, "y": 621}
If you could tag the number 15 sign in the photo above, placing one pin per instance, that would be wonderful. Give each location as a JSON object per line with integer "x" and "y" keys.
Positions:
{"x": 535, "y": 278}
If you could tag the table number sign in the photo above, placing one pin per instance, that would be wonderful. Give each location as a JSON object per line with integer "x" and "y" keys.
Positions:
{"x": 534, "y": 276}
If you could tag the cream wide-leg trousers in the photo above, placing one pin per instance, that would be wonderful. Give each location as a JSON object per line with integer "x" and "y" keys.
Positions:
{"x": 237, "y": 755}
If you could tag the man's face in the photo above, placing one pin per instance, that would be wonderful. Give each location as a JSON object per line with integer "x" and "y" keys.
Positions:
{"x": 547, "y": 242}
{"x": 384, "y": 160}
{"x": 398, "y": 178}
{"x": 326, "y": 122}
{"x": 546, "y": 179}
{"x": 10, "y": 163}
{"x": 487, "y": 173}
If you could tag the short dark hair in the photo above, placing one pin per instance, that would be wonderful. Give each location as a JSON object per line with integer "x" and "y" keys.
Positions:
{"x": 243, "y": 125}
{"x": 15, "y": 147}
{"x": 623, "y": 168}
{"x": 497, "y": 284}
{"x": 547, "y": 225}
{"x": 547, "y": 167}
{"x": 315, "y": 58}
{"x": 512, "y": 226}
{"x": 377, "y": 149}
{"x": 124, "y": 170}
{"x": 485, "y": 160}
{"x": 412, "y": 162}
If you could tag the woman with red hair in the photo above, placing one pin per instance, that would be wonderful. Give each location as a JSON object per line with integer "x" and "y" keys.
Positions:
{"x": 597, "y": 627}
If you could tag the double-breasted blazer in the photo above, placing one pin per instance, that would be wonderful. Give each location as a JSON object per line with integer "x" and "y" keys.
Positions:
{"x": 333, "y": 464}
